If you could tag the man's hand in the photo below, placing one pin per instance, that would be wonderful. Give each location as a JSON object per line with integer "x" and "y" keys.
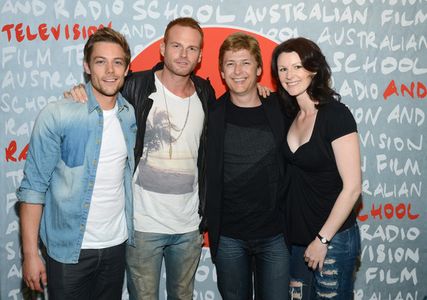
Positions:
{"x": 77, "y": 93}
{"x": 34, "y": 273}
{"x": 33, "y": 269}
{"x": 263, "y": 90}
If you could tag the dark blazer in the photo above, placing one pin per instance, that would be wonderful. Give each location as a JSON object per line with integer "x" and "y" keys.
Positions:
{"x": 215, "y": 156}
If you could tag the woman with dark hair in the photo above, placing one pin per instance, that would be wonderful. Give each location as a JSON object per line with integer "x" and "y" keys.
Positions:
{"x": 324, "y": 175}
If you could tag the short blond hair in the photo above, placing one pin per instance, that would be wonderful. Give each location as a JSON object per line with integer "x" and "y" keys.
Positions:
{"x": 240, "y": 41}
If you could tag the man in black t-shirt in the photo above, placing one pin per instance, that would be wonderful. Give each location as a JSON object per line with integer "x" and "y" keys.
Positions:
{"x": 245, "y": 178}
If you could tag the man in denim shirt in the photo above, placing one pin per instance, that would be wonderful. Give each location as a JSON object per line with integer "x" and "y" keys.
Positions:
{"x": 77, "y": 183}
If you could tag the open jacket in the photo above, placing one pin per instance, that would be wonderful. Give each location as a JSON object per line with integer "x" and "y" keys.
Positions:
{"x": 61, "y": 166}
{"x": 215, "y": 160}
{"x": 137, "y": 90}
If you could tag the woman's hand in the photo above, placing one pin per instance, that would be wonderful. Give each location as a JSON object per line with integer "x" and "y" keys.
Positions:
{"x": 315, "y": 254}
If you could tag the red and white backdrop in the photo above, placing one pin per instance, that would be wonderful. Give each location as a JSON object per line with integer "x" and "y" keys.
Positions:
{"x": 378, "y": 54}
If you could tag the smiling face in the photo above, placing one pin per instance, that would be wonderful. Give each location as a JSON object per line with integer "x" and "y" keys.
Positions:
{"x": 294, "y": 78}
{"x": 240, "y": 71}
{"x": 107, "y": 69}
{"x": 182, "y": 50}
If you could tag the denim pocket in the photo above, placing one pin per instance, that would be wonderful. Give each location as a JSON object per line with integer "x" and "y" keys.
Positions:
{"x": 73, "y": 148}
{"x": 346, "y": 243}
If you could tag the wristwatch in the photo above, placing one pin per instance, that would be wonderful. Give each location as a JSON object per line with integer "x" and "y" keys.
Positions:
{"x": 323, "y": 240}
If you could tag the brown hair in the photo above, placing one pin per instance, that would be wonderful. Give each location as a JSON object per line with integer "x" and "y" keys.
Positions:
{"x": 106, "y": 34}
{"x": 313, "y": 60}
{"x": 240, "y": 41}
{"x": 185, "y": 22}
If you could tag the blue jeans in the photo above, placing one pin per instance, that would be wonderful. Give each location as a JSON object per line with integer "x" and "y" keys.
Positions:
{"x": 181, "y": 253}
{"x": 99, "y": 274}
{"x": 336, "y": 281}
{"x": 234, "y": 268}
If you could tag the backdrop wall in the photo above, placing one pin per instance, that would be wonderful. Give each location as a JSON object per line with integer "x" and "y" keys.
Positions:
{"x": 377, "y": 51}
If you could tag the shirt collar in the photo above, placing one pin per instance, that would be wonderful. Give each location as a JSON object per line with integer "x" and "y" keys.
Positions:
{"x": 93, "y": 103}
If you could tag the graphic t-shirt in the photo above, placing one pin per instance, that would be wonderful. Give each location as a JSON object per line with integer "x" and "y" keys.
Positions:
{"x": 166, "y": 198}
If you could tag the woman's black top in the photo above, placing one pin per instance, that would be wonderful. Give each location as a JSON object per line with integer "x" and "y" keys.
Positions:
{"x": 314, "y": 182}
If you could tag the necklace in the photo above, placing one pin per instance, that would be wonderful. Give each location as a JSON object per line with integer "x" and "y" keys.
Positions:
{"x": 180, "y": 131}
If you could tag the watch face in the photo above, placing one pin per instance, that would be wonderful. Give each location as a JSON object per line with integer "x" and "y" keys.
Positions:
{"x": 322, "y": 239}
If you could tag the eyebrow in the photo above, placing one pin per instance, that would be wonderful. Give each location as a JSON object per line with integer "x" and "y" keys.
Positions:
{"x": 103, "y": 57}
{"x": 237, "y": 59}
{"x": 297, "y": 63}
{"x": 175, "y": 42}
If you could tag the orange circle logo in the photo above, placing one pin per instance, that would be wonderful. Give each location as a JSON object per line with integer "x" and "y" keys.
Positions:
{"x": 208, "y": 68}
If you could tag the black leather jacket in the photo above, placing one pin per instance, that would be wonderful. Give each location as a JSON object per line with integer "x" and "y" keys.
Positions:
{"x": 137, "y": 89}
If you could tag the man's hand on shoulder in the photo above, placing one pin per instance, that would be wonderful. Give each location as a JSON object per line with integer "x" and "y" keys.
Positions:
{"x": 77, "y": 93}
{"x": 263, "y": 91}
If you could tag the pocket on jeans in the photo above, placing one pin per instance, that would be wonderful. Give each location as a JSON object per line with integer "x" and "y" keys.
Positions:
{"x": 345, "y": 242}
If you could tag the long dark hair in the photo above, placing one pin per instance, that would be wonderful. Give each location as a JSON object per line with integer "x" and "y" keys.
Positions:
{"x": 313, "y": 60}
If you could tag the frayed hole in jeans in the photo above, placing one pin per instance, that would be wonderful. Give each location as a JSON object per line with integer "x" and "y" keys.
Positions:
{"x": 295, "y": 290}
{"x": 327, "y": 295}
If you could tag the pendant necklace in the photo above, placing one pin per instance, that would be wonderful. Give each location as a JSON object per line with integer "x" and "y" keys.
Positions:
{"x": 180, "y": 131}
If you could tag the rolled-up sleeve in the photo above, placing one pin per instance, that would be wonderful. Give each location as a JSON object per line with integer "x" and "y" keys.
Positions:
{"x": 42, "y": 157}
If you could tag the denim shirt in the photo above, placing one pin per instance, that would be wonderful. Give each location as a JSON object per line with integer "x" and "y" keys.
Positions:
{"x": 61, "y": 167}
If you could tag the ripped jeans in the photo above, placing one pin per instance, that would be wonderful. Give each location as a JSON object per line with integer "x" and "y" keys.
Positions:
{"x": 336, "y": 281}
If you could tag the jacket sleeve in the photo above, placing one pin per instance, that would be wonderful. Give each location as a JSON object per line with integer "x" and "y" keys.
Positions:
{"x": 128, "y": 90}
{"x": 42, "y": 157}
{"x": 211, "y": 93}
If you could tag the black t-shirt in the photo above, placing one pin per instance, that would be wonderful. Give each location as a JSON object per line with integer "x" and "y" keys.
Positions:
{"x": 314, "y": 182}
{"x": 250, "y": 168}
